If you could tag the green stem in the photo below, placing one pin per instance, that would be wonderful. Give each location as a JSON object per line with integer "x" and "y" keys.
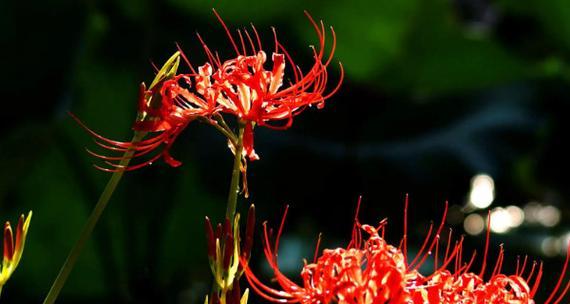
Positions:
{"x": 90, "y": 225}
{"x": 236, "y": 172}
{"x": 220, "y": 119}
{"x": 232, "y": 200}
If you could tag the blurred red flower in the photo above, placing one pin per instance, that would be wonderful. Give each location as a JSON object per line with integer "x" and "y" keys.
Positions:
{"x": 372, "y": 271}
{"x": 365, "y": 272}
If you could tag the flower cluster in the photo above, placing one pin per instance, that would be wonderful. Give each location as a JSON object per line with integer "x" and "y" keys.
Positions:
{"x": 225, "y": 250}
{"x": 241, "y": 87}
{"x": 372, "y": 271}
{"x": 255, "y": 93}
{"x": 13, "y": 249}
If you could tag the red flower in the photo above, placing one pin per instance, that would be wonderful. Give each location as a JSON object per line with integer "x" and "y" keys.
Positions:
{"x": 364, "y": 272}
{"x": 240, "y": 86}
{"x": 255, "y": 95}
{"x": 463, "y": 286}
{"x": 166, "y": 108}
{"x": 374, "y": 272}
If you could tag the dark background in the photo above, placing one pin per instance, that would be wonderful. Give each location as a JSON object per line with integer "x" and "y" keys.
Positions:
{"x": 435, "y": 92}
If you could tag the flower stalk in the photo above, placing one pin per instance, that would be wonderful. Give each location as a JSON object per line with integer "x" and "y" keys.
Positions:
{"x": 130, "y": 150}
{"x": 236, "y": 172}
{"x": 242, "y": 87}
{"x": 225, "y": 253}
{"x": 90, "y": 225}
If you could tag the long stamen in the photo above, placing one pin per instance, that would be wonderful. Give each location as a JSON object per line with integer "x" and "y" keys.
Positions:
{"x": 280, "y": 229}
{"x": 229, "y": 34}
{"x": 242, "y": 42}
{"x": 537, "y": 279}
{"x": 251, "y": 45}
{"x": 405, "y": 236}
{"x": 186, "y": 59}
{"x": 562, "y": 274}
{"x": 316, "y": 254}
{"x": 487, "y": 241}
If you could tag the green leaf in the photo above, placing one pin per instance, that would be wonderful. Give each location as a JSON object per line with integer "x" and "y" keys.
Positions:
{"x": 441, "y": 56}
{"x": 553, "y": 15}
{"x": 370, "y": 35}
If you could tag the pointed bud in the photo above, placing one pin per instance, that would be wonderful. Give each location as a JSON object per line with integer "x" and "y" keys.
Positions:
{"x": 244, "y": 297}
{"x": 210, "y": 239}
{"x": 250, "y": 221}
{"x": 228, "y": 252}
{"x": 249, "y": 232}
{"x": 142, "y": 96}
{"x": 215, "y": 298}
{"x": 227, "y": 227}
{"x": 168, "y": 70}
{"x": 235, "y": 293}
{"x": 19, "y": 232}
{"x": 219, "y": 230}
{"x": 8, "y": 242}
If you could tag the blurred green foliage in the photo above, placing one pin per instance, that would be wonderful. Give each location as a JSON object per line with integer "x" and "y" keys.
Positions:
{"x": 413, "y": 67}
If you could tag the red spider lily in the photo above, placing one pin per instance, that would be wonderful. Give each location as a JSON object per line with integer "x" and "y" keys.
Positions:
{"x": 372, "y": 271}
{"x": 364, "y": 272}
{"x": 166, "y": 108}
{"x": 153, "y": 116}
{"x": 255, "y": 95}
{"x": 447, "y": 288}
{"x": 463, "y": 286}
{"x": 240, "y": 86}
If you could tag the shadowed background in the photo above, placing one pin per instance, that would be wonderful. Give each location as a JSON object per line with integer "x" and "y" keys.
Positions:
{"x": 435, "y": 93}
